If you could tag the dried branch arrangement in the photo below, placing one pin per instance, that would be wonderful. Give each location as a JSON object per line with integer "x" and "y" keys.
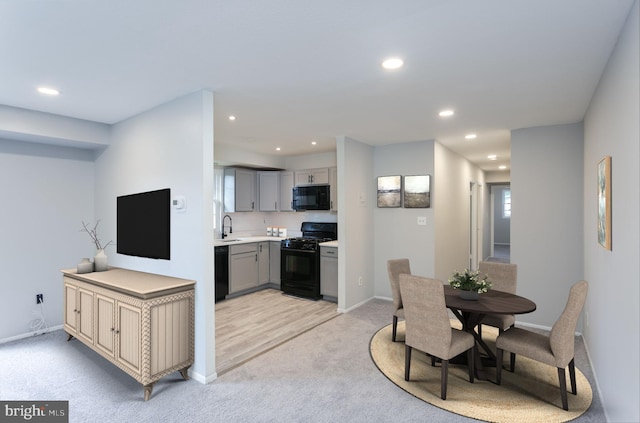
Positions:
{"x": 93, "y": 233}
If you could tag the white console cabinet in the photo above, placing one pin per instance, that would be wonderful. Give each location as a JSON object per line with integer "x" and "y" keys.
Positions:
{"x": 141, "y": 322}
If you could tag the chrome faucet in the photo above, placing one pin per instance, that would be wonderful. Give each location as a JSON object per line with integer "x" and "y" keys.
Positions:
{"x": 224, "y": 234}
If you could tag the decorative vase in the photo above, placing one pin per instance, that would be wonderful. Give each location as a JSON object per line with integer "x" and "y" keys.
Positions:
{"x": 100, "y": 261}
{"x": 85, "y": 266}
{"x": 469, "y": 295}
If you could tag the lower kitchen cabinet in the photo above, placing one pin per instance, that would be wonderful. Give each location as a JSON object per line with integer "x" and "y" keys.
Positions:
{"x": 243, "y": 267}
{"x": 263, "y": 262}
{"x": 274, "y": 262}
{"x": 141, "y": 322}
{"x": 329, "y": 271}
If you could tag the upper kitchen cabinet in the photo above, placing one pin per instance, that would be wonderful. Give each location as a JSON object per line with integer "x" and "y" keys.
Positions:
{"x": 286, "y": 191}
{"x": 268, "y": 191}
{"x": 239, "y": 190}
{"x": 333, "y": 183}
{"x": 312, "y": 176}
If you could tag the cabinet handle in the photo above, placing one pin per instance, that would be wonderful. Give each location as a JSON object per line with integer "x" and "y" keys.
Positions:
{"x": 252, "y": 205}
{"x": 256, "y": 257}
{"x": 117, "y": 331}
{"x": 275, "y": 205}
{"x": 113, "y": 329}
{"x": 260, "y": 247}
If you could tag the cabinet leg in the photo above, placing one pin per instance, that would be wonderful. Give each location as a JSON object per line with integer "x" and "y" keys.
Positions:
{"x": 147, "y": 391}
{"x": 184, "y": 373}
{"x": 69, "y": 337}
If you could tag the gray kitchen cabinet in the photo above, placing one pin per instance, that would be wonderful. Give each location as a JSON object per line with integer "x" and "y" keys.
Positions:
{"x": 274, "y": 265}
{"x": 268, "y": 191}
{"x": 329, "y": 271}
{"x": 287, "y": 183}
{"x": 243, "y": 267}
{"x": 312, "y": 176}
{"x": 239, "y": 190}
{"x": 333, "y": 188}
{"x": 263, "y": 262}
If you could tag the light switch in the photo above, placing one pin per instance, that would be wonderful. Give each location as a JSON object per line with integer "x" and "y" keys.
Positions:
{"x": 422, "y": 220}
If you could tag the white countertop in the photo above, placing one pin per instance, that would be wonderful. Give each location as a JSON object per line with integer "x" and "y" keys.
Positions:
{"x": 245, "y": 240}
{"x": 329, "y": 244}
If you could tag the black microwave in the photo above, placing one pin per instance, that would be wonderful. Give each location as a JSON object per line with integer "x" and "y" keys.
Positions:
{"x": 311, "y": 197}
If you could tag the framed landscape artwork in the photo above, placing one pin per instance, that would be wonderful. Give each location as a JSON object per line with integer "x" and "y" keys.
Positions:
{"x": 389, "y": 191}
{"x": 604, "y": 202}
{"x": 417, "y": 191}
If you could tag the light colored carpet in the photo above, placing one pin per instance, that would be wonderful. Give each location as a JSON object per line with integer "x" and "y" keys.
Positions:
{"x": 530, "y": 394}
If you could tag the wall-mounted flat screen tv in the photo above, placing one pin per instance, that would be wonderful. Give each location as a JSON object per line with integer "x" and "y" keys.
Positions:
{"x": 144, "y": 224}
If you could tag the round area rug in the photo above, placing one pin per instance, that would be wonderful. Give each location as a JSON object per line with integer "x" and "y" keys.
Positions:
{"x": 530, "y": 394}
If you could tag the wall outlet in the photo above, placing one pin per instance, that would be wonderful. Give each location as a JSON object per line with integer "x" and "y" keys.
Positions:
{"x": 360, "y": 281}
{"x": 422, "y": 220}
{"x": 39, "y": 298}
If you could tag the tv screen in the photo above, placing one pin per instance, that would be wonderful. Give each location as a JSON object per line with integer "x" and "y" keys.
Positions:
{"x": 144, "y": 224}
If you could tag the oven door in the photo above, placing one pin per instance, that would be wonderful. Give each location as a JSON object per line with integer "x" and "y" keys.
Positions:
{"x": 300, "y": 272}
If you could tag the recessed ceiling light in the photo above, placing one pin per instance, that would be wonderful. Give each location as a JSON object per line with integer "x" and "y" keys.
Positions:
{"x": 492, "y": 157}
{"x": 470, "y": 136}
{"x": 446, "y": 113}
{"x": 393, "y": 63}
{"x": 277, "y": 148}
{"x": 313, "y": 143}
{"x": 48, "y": 91}
{"x": 232, "y": 117}
{"x": 502, "y": 167}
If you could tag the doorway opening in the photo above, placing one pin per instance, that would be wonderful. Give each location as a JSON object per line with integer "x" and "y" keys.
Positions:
{"x": 500, "y": 223}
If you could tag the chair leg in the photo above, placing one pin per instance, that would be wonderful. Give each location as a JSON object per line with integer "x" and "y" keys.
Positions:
{"x": 395, "y": 328}
{"x": 572, "y": 377}
{"x": 471, "y": 362}
{"x": 512, "y": 362}
{"x": 480, "y": 330}
{"x": 498, "y": 365}
{"x": 563, "y": 388}
{"x": 433, "y": 361}
{"x": 407, "y": 362}
{"x": 444, "y": 376}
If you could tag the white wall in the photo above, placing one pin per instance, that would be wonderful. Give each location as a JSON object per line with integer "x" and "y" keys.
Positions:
{"x": 170, "y": 146}
{"x": 611, "y": 128}
{"x": 47, "y": 192}
{"x": 453, "y": 174}
{"x": 355, "y": 222}
{"x": 397, "y": 234}
{"x": 546, "y": 219}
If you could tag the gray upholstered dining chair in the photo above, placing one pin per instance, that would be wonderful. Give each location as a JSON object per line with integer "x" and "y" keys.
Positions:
{"x": 395, "y": 267}
{"x": 557, "y": 349}
{"x": 504, "y": 277}
{"x": 428, "y": 328}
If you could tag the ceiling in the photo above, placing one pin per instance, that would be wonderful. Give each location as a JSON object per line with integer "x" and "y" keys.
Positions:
{"x": 299, "y": 71}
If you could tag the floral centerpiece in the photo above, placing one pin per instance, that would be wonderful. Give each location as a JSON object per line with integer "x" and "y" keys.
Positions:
{"x": 470, "y": 282}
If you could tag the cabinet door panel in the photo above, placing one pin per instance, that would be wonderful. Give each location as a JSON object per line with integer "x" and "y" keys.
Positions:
{"x": 85, "y": 322}
{"x": 70, "y": 307}
{"x": 105, "y": 336}
{"x": 263, "y": 262}
{"x": 286, "y": 191}
{"x": 129, "y": 327}
{"x": 244, "y": 271}
{"x": 268, "y": 190}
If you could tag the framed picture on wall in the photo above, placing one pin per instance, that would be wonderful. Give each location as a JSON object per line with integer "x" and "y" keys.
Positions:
{"x": 604, "y": 202}
{"x": 417, "y": 191}
{"x": 390, "y": 191}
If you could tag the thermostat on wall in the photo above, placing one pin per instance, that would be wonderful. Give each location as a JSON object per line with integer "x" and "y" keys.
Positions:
{"x": 179, "y": 203}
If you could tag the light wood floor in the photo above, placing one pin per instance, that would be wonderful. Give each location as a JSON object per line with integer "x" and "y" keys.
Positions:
{"x": 249, "y": 325}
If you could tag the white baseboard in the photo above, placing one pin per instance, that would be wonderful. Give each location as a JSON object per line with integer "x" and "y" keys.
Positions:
{"x": 29, "y": 334}
{"x": 203, "y": 379}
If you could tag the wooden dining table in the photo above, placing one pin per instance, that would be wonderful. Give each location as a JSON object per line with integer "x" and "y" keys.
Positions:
{"x": 471, "y": 312}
